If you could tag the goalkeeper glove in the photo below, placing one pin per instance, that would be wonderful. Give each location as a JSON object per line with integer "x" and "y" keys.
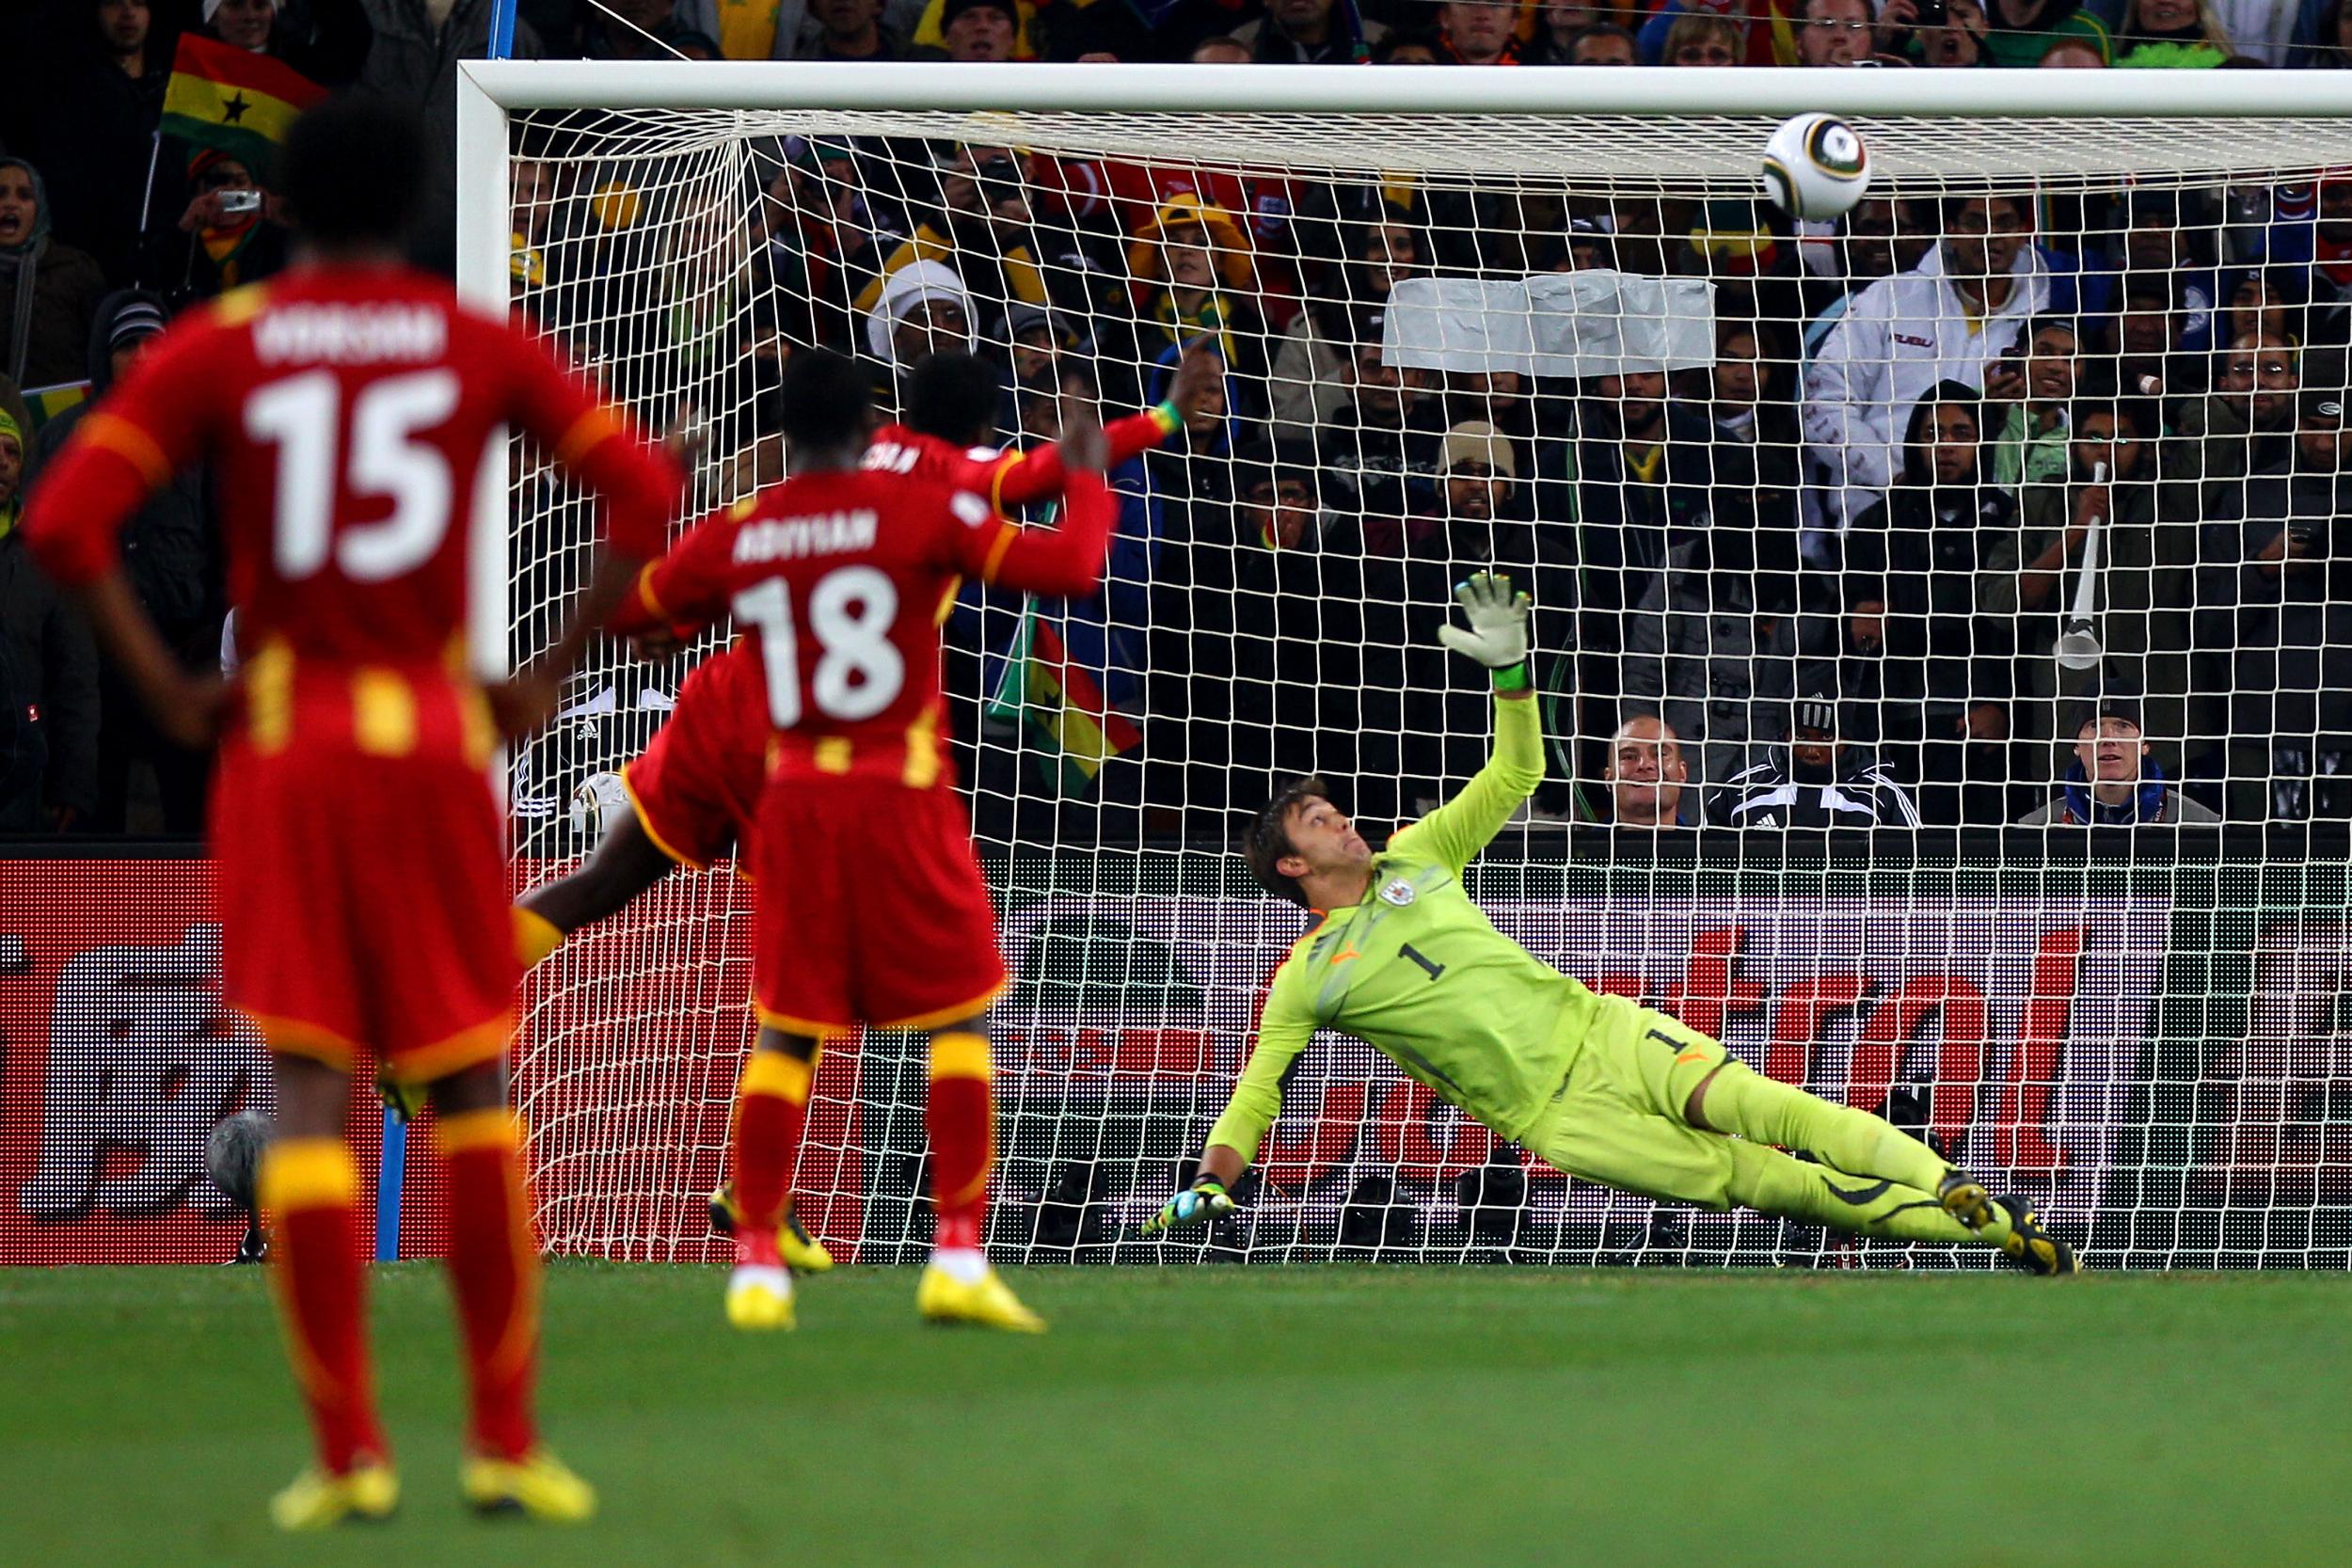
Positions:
{"x": 1205, "y": 1199}
{"x": 1497, "y": 637}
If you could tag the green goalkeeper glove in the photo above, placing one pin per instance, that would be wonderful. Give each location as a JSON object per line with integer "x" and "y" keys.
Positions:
{"x": 1205, "y": 1199}
{"x": 1497, "y": 637}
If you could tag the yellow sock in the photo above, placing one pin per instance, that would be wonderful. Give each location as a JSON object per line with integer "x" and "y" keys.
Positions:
{"x": 535, "y": 936}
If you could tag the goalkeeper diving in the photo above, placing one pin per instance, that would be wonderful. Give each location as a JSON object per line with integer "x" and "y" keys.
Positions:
{"x": 1597, "y": 1087}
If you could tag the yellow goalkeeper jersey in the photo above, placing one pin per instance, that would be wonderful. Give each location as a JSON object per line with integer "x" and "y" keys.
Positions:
{"x": 1419, "y": 972}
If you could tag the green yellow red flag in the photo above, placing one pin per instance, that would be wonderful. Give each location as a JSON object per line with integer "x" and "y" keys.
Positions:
{"x": 235, "y": 100}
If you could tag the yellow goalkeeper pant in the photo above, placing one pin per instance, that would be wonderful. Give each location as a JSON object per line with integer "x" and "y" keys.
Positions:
{"x": 1619, "y": 1119}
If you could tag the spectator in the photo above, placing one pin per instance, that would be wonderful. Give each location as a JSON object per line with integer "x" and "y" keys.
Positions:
{"x": 2293, "y": 686}
{"x": 48, "y": 292}
{"x": 1699, "y": 38}
{"x": 1194, "y": 279}
{"x": 1645, "y": 775}
{"x": 1380, "y": 449}
{"x": 219, "y": 242}
{"x": 1760, "y": 32}
{"x": 1478, "y": 32}
{"x": 2175, "y": 34}
{"x": 2026, "y": 32}
{"x": 2158, "y": 240}
{"x": 980, "y": 230}
{"x": 2265, "y": 299}
{"x": 1419, "y": 46}
{"x": 1834, "y": 33}
{"x": 1309, "y": 32}
{"x": 1600, "y": 44}
{"x": 1958, "y": 43}
{"x": 1311, "y": 360}
{"x": 635, "y": 30}
{"x": 97, "y": 106}
{"x": 923, "y": 307}
{"x": 2143, "y": 585}
{"x": 2143, "y": 340}
{"x": 1910, "y": 579}
{"x": 2246, "y": 426}
{"x": 1950, "y": 318}
{"x": 1815, "y": 782}
{"x": 1221, "y": 51}
{"x": 2115, "y": 780}
{"x": 48, "y": 680}
{"x": 838, "y": 30}
{"x": 170, "y": 553}
{"x": 2074, "y": 54}
{"x": 246, "y": 24}
{"x": 978, "y": 31}
{"x": 1879, "y": 238}
{"x": 2032, "y": 393}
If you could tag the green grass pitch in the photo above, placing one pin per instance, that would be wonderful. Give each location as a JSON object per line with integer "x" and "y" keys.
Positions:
{"x": 1272, "y": 1417}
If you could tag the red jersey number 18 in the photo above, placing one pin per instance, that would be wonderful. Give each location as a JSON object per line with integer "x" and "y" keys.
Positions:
{"x": 300, "y": 416}
{"x": 859, "y": 670}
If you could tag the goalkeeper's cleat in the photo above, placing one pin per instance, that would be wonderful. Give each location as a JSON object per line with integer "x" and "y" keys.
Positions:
{"x": 537, "y": 1486}
{"x": 802, "y": 1252}
{"x": 1966, "y": 1199}
{"x": 988, "y": 1300}
{"x": 365, "y": 1494}
{"x": 2030, "y": 1246}
{"x": 759, "y": 1292}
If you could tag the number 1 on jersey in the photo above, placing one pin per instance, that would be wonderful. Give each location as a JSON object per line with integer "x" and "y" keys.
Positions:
{"x": 859, "y": 670}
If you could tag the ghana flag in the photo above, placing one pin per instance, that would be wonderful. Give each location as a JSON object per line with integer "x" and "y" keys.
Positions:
{"x": 235, "y": 100}
{"x": 1056, "y": 699}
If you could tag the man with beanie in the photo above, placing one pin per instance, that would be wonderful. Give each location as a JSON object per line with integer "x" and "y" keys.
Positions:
{"x": 2114, "y": 781}
{"x": 1817, "y": 781}
{"x": 170, "y": 551}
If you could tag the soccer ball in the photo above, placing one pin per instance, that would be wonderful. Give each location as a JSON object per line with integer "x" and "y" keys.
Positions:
{"x": 1816, "y": 167}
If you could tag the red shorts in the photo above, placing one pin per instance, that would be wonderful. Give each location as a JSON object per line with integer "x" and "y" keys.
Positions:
{"x": 696, "y": 788}
{"x": 363, "y": 905}
{"x": 871, "y": 909}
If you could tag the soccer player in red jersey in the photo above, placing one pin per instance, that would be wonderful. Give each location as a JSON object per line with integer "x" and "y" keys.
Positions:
{"x": 870, "y": 907}
{"x": 348, "y": 404}
{"x": 695, "y": 791}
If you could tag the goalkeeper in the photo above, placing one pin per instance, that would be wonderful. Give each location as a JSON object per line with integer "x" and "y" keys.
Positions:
{"x": 1597, "y": 1087}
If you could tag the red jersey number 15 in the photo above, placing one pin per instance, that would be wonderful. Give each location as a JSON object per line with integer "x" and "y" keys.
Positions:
{"x": 301, "y": 416}
{"x": 859, "y": 671}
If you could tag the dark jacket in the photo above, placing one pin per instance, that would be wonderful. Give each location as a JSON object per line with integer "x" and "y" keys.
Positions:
{"x": 1918, "y": 552}
{"x": 97, "y": 138}
{"x": 169, "y": 548}
{"x": 52, "y": 697}
{"x": 1768, "y": 795}
{"x": 66, "y": 285}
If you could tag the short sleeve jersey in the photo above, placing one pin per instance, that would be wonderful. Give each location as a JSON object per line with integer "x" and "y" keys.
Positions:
{"x": 838, "y": 579}
{"x": 348, "y": 412}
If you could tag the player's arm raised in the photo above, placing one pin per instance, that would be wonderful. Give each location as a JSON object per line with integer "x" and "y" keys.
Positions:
{"x": 1024, "y": 477}
{"x": 1059, "y": 561}
{"x": 1233, "y": 1143}
{"x": 122, "y": 452}
{"x": 1496, "y": 638}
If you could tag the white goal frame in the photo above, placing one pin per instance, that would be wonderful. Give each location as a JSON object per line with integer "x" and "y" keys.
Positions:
{"x": 489, "y": 92}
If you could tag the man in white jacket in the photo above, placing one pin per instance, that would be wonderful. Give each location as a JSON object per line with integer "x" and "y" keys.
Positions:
{"x": 1954, "y": 317}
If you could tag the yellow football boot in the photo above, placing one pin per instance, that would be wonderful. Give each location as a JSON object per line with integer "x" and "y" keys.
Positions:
{"x": 802, "y": 1252}
{"x": 537, "y": 1486}
{"x": 759, "y": 1292}
{"x": 987, "y": 1301}
{"x": 367, "y": 1492}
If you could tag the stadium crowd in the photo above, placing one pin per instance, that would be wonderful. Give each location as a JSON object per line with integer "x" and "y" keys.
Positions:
{"x": 1817, "y": 581}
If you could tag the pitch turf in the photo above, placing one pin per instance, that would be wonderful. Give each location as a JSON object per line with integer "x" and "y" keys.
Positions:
{"x": 1277, "y": 1416}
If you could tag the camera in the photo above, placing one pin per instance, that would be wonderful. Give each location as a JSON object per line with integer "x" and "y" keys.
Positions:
{"x": 1932, "y": 13}
{"x": 236, "y": 203}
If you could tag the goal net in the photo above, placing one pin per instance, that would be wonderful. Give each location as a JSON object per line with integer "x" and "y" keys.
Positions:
{"x": 1942, "y": 619}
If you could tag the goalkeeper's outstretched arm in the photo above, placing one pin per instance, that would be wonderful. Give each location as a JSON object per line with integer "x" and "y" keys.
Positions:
{"x": 1497, "y": 637}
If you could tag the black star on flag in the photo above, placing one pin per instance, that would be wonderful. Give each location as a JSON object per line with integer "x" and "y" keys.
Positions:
{"x": 234, "y": 109}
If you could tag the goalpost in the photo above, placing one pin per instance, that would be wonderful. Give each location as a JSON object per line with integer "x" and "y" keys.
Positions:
{"x": 1534, "y": 319}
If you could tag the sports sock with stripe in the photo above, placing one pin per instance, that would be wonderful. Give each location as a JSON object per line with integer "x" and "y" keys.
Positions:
{"x": 770, "y": 1104}
{"x": 1765, "y": 1111}
{"x": 1777, "y": 1183}
{"x": 310, "y": 1187}
{"x": 961, "y": 1120}
{"x": 494, "y": 1271}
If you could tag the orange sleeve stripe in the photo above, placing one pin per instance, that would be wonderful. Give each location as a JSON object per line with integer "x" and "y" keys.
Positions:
{"x": 646, "y": 595}
{"x": 112, "y": 432}
{"x": 996, "y": 480}
{"x": 1006, "y": 535}
{"x": 590, "y": 431}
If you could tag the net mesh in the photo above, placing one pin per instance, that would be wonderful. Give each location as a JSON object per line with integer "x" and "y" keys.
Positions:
{"x": 1829, "y": 527}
